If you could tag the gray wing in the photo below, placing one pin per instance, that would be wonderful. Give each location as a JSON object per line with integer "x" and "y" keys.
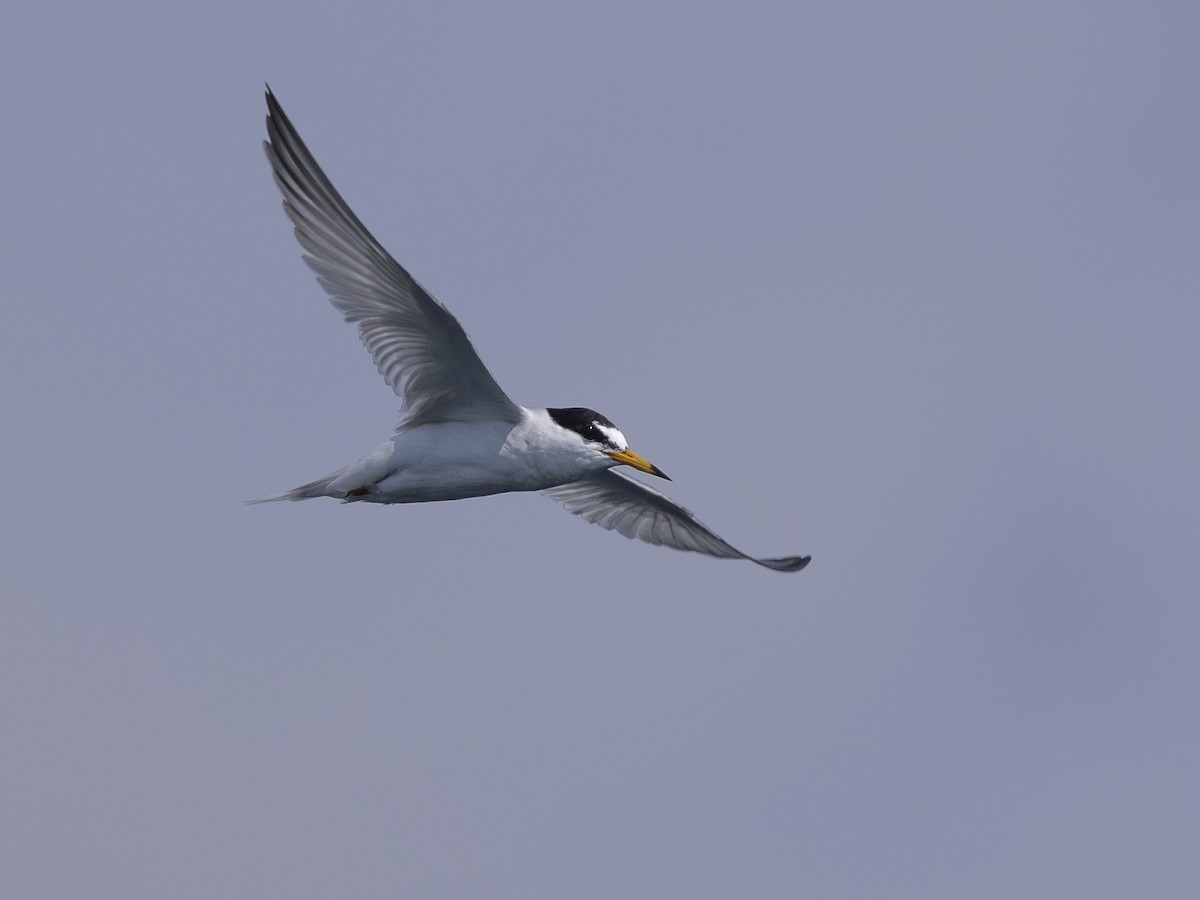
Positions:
{"x": 419, "y": 347}
{"x": 623, "y": 504}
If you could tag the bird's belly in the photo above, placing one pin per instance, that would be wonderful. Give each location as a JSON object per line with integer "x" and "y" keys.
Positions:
{"x": 446, "y": 462}
{"x": 449, "y": 481}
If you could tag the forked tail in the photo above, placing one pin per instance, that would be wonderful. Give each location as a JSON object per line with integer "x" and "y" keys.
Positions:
{"x": 318, "y": 488}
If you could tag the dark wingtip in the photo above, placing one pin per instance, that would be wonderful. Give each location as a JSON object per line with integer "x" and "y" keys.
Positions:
{"x": 786, "y": 563}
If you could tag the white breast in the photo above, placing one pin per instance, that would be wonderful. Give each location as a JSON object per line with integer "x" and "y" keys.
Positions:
{"x": 453, "y": 460}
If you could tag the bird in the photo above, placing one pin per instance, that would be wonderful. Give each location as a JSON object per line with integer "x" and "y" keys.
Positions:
{"x": 459, "y": 435}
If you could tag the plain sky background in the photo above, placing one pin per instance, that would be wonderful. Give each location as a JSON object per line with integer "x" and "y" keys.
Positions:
{"x": 911, "y": 287}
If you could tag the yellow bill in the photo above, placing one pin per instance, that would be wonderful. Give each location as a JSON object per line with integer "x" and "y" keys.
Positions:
{"x": 637, "y": 461}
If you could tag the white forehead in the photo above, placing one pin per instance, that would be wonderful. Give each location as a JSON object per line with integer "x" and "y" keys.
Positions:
{"x": 613, "y": 436}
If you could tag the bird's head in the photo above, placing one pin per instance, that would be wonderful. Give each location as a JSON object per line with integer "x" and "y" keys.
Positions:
{"x": 600, "y": 435}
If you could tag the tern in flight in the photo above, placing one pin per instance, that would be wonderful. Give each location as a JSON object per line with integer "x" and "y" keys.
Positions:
{"x": 459, "y": 434}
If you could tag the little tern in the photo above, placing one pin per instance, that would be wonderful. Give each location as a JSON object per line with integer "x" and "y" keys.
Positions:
{"x": 459, "y": 434}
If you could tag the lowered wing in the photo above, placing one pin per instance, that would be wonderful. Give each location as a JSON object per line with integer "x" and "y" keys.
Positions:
{"x": 619, "y": 503}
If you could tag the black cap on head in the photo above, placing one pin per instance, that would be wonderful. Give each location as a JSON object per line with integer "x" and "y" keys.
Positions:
{"x": 582, "y": 421}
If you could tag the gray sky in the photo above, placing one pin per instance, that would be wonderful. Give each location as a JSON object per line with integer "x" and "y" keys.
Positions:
{"x": 909, "y": 287}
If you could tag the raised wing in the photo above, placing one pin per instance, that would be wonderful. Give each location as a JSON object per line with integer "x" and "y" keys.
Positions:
{"x": 619, "y": 503}
{"x": 419, "y": 347}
